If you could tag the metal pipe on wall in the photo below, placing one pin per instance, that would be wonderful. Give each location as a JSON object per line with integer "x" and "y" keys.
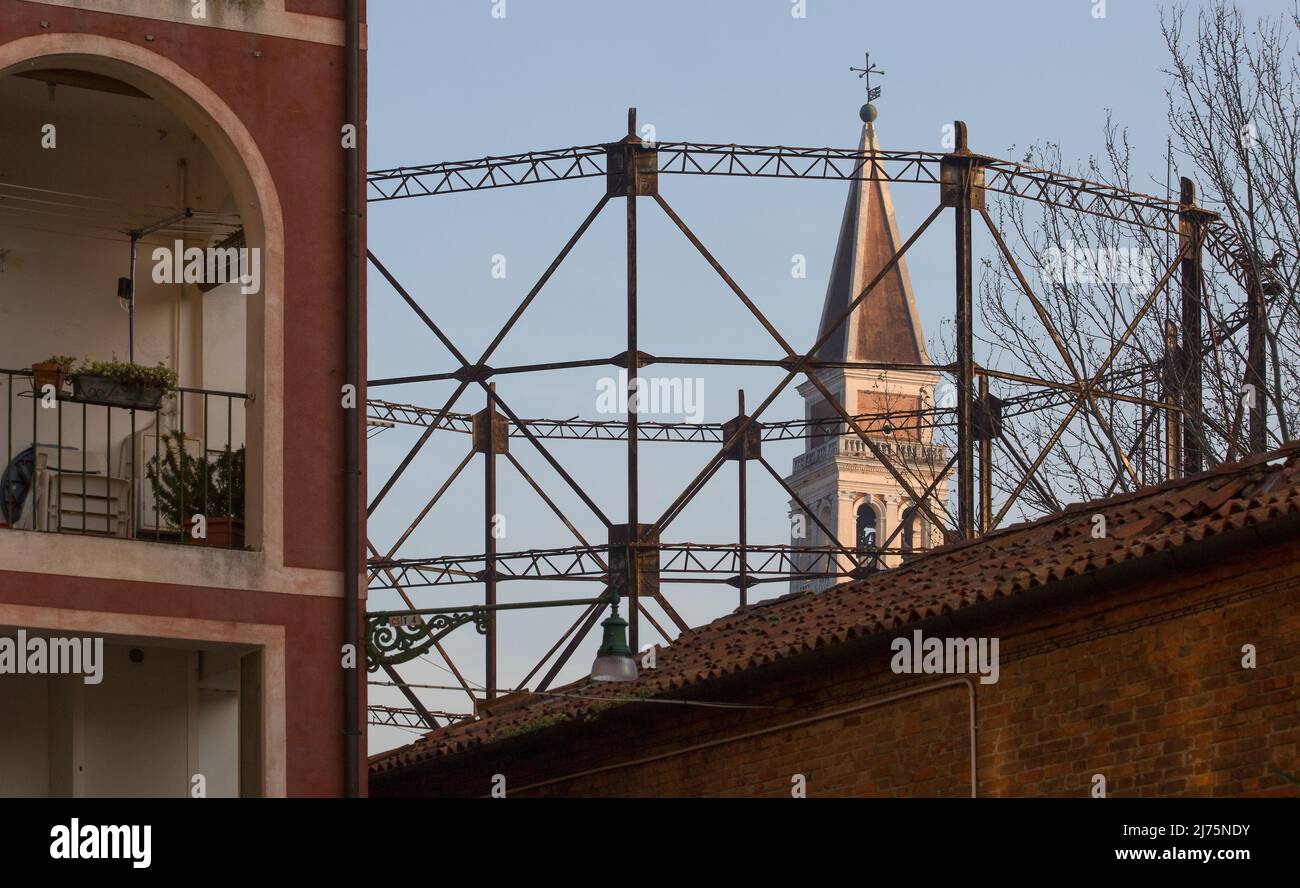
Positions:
{"x": 352, "y": 417}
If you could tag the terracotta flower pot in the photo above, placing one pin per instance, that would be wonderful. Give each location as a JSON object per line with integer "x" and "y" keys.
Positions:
{"x": 224, "y": 532}
{"x": 47, "y": 373}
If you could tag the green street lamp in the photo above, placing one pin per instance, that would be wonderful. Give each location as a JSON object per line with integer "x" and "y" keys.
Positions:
{"x": 614, "y": 660}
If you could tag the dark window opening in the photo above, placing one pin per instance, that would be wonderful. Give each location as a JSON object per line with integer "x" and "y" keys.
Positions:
{"x": 909, "y": 529}
{"x": 868, "y": 524}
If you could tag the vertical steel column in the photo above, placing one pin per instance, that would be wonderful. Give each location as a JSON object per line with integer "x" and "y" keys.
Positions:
{"x": 633, "y": 367}
{"x": 1171, "y": 393}
{"x": 743, "y": 505}
{"x": 965, "y": 373}
{"x": 986, "y": 465}
{"x": 490, "y": 541}
{"x": 744, "y": 446}
{"x": 354, "y": 421}
{"x": 1191, "y": 222}
{"x": 962, "y": 188}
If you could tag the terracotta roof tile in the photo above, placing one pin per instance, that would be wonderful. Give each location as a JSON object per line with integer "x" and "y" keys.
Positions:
{"x": 1007, "y": 562}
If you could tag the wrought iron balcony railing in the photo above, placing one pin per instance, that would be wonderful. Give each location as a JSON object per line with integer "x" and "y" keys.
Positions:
{"x": 76, "y": 465}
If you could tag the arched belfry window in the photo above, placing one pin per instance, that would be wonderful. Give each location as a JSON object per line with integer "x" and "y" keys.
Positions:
{"x": 908, "y": 532}
{"x": 868, "y": 525}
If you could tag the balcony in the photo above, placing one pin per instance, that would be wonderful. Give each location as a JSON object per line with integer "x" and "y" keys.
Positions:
{"x": 89, "y": 468}
{"x": 914, "y": 453}
{"x": 151, "y": 254}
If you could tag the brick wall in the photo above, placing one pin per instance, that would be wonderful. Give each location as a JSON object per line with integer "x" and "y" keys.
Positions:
{"x": 1142, "y": 684}
{"x": 905, "y": 421}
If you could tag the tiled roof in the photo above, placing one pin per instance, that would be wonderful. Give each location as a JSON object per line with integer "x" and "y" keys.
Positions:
{"x": 1005, "y": 563}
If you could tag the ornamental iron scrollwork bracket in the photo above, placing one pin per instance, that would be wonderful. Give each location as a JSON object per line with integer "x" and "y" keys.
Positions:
{"x": 397, "y": 636}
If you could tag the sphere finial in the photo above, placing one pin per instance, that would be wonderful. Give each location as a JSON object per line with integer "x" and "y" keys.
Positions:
{"x": 868, "y": 113}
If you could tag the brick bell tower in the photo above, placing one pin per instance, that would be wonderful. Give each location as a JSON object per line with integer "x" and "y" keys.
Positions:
{"x": 848, "y": 491}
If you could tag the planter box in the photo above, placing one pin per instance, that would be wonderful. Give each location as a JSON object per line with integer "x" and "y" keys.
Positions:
{"x": 101, "y": 390}
{"x": 46, "y": 373}
{"x": 223, "y": 532}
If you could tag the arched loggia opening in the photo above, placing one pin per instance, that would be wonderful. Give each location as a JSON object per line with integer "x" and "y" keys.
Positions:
{"x": 109, "y": 161}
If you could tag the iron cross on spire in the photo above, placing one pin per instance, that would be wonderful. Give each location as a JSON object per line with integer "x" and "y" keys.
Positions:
{"x": 865, "y": 72}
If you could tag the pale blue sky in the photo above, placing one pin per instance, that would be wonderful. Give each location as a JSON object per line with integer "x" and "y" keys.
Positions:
{"x": 450, "y": 82}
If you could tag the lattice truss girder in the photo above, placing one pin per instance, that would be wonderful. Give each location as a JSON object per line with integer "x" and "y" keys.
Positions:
{"x": 588, "y": 563}
{"x": 779, "y": 161}
{"x": 408, "y": 716}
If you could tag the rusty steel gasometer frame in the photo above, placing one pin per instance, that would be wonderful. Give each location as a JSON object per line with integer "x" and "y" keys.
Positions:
{"x": 633, "y": 561}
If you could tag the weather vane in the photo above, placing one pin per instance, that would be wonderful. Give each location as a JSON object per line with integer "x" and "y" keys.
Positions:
{"x": 868, "y": 112}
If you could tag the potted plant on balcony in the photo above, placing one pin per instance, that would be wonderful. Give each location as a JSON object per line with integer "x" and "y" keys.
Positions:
{"x": 226, "y": 527}
{"x": 51, "y": 371}
{"x": 122, "y": 384}
{"x": 187, "y": 486}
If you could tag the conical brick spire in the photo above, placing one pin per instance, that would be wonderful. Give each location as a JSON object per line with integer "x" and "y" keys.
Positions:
{"x": 885, "y": 326}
